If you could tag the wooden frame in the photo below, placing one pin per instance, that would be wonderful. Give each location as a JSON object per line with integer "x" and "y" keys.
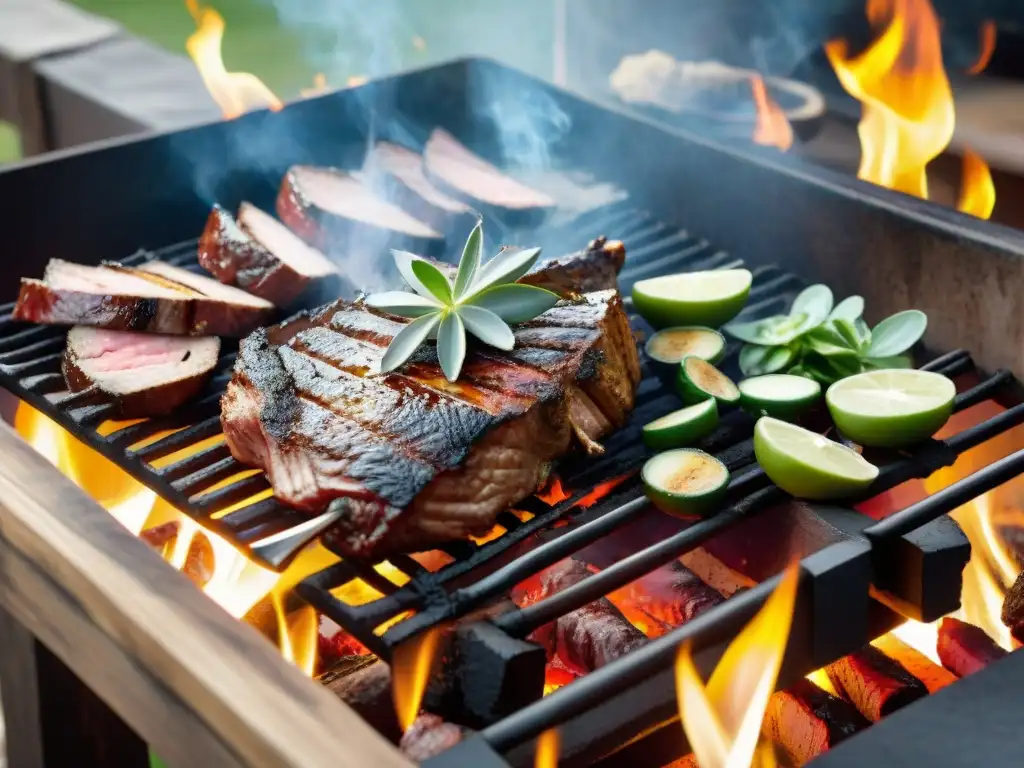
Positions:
{"x": 197, "y": 685}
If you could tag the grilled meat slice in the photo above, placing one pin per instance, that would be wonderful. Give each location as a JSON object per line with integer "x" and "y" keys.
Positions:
{"x": 410, "y": 458}
{"x": 218, "y": 309}
{"x": 260, "y": 255}
{"x": 144, "y": 374}
{"x": 876, "y": 684}
{"x": 396, "y": 173}
{"x": 455, "y": 170}
{"x": 964, "y": 648}
{"x": 807, "y": 721}
{"x": 107, "y": 297}
{"x": 335, "y": 212}
{"x": 428, "y": 737}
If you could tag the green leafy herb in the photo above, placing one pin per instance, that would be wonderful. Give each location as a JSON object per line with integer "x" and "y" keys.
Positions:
{"x": 826, "y": 342}
{"x": 483, "y": 300}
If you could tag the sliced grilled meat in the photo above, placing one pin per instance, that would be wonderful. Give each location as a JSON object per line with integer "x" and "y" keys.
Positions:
{"x": 462, "y": 174}
{"x": 335, "y": 212}
{"x": 673, "y": 594}
{"x": 807, "y": 721}
{"x": 428, "y": 737}
{"x": 396, "y": 173}
{"x": 219, "y": 310}
{"x": 260, "y": 255}
{"x": 107, "y": 297}
{"x": 143, "y": 374}
{"x": 587, "y": 638}
{"x": 876, "y": 684}
{"x": 410, "y": 458}
{"x": 964, "y": 648}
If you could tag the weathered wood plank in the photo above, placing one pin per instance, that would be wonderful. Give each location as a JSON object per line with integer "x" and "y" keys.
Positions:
{"x": 20, "y": 694}
{"x": 260, "y": 707}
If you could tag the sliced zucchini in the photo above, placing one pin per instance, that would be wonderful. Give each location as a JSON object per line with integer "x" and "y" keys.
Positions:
{"x": 671, "y": 345}
{"x": 698, "y": 380}
{"x": 685, "y": 482}
{"x": 781, "y": 395}
{"x": 683, "y": 427}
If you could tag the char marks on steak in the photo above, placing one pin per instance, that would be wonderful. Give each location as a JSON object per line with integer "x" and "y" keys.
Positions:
{"x": 587, "y": 638}
{"x": 155, "y": 298}
{"x": 336, "y": 212}
{"x": 410, "y": 458}
{"x": 260, "y": 255}
{"x": 144, "y": 374}
{"x": 457, "y": 171}
{"x": 396, "y": 174}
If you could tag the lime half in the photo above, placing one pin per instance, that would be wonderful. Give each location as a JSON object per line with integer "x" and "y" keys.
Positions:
{"x": 891, "y": 408}
{"x": 683, "y": 427}
{"x": 710, "y": 298}
{"x": 781, "y": 395}
{"x": 699, "y": 380}
{"x": 808, "y": 465}
{"x": 685, "y": 482}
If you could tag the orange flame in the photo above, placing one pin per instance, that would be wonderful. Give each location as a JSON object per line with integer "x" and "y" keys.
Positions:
{"x": 602, "y": 490}
{"x": 988, "y": 47}
{"x": 297, "y": 635}
{"x": 977, "y": 190}
{"x": 548, "y": 744}
{"x": 772, "y": 128}
{"x": 554, "y": 494}
{"x": 723, "y": 720}
{"x": 411, "y": 666}
{"x": 908, "y": 115}
{"x": 235, "y": 92}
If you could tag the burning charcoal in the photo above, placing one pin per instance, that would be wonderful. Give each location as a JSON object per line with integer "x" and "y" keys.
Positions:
{"x": 673, "y": 594}
{"x": 876, "y": 684}
{"x": 199, "y": 562}
{"x": 934, "y": 676}
{"x": 364, "y": 683}
{"x": 143, "y": 374}
{"x": 334, "y": 643}
{"x": 965, "y": 648}
{"x": 260, "y": 255}
{"x": 334, "y": 211}
{"x": 587, "y": 638}
{"x": 805, "y": 721}
{"x": 428, "y": 737}
{"x": 690, "y": 761}
{"x": 1013, "y": 609}
{"x": 462, "y": 174}
{"x": 396, "y": 173}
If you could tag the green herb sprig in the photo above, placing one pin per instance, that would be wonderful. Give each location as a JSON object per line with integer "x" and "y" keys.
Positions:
{"x": 484, "y": 300}
{"x": 826, "y": 342}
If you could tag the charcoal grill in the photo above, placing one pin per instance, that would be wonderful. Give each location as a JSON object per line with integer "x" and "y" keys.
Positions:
{"x": 858, "y": 577}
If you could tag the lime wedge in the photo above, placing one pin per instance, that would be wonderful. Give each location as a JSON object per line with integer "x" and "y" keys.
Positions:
{"x": 891, "y": 408}
{"x": 699, "y": 380}
{"x": 683, "y": 427}
{"x": 710, "y": 298}
{"x": 808, "y": 465}
{"x": 671, "y": 345}
{"x": 781, "y": 395}
{"x": 685, "y": 482}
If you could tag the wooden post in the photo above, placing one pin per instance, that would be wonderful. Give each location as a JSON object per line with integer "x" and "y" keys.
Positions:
{"x": 53, "y": 719}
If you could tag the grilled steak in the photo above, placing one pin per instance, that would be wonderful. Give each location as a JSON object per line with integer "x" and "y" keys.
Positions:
{"x": 396, "y": 173}
{"x": 156, "y": 298}
{"x": 596, "y": 268}
{"x": 219, "y": 310}
{"x": 410, "y": 458}
{"x": 108, "y": 297}
{"x": 455, "y": 170}
{"x": 260, "y": 255}
{"x": 335, "y": 212}
{"x": 143, "y": 373}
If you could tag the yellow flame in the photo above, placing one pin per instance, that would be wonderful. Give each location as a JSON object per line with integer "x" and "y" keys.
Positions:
{"x": 923, "y": 638}
{"x": 411, "y": 665}
{"x": 297, "y": 635}
{"x": 908, "y": 117}
{"x": 772, "y": 128}
{"x": 977, "y": 190}
{"x": 723, "y": 720}
{"x": 821, "y": 679}
{"x": 548, "y": 745}
{"x": 235, "y": 92}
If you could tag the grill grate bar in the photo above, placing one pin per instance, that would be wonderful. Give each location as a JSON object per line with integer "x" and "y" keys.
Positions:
{"x": 179, "y": 440}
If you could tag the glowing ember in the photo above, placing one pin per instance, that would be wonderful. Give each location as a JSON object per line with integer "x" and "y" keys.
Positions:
{"x": 601, "y": 491}
{"x": 547, "y": 750}
{"x": 772, "y": 128}
{"x": 988, "y": 47}
{"x": 723, "y": 720}
{"x": 908, "y": 115}
{"x": 235, "y": 92}
{"x": 554, "y": 493}
{"x": 923, "y": 638}
{"x": 977, "y": 190}
{"x": 411, "y": 665}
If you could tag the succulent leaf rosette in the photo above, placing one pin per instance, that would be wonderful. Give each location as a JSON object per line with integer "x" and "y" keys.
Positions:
{"x": 484, "y": 300}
